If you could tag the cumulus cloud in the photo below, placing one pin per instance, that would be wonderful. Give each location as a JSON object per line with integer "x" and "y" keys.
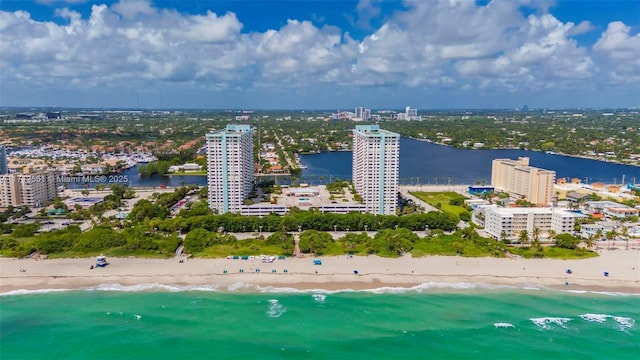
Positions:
{"x": 429, "y": 44}
{"x": 582, "y": 28}
{"x": 621, "y": 52}
{"x": 366, "y": 11}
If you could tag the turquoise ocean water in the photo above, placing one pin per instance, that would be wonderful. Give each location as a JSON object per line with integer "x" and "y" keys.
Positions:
{"x": 440, "y": 323}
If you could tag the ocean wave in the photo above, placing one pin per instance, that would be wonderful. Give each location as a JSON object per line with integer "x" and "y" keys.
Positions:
{"x": 547, "y": 322}
{"x": 622, "y": 323}
{"x": 275, "y": 309}
{"x": 243, "y": 286}
{"x": 608, "y": 293}
{"x": 500, "y": 325}
{"x": 134, "y": 288}
{"x": 389, "y": 289}
{"x": 32, "y": 292}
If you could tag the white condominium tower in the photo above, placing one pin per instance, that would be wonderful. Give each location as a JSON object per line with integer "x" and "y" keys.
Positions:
{"x": 230, "y": 167}
{"x": 375, "y": 168}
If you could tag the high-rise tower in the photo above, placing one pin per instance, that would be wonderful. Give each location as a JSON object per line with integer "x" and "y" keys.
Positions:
{"x": 376, "y": 155}
{"x": 519, "y": 179}
{"x": 4, "y": 168}
{"x": 229, "y": 167}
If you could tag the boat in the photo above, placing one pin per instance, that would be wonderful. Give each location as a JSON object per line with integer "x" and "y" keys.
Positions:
{"x": 101, "y": 261}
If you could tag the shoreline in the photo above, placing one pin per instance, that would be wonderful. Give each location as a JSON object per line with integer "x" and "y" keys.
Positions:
{"x": 335, "y": 274}
{"x": 578, "y": 156}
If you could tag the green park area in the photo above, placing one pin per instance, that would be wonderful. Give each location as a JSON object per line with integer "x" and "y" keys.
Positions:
{"x": 447, "y": 201}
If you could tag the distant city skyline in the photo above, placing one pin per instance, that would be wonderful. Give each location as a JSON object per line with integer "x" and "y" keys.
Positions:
{"x": 142, "y": 54}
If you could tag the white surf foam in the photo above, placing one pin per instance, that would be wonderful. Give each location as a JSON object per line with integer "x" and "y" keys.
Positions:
{"x": 599, "y": 318}
{"x": 134, "y": 288}
{"x": 153, "y": 287}
{"x": 547, "y": 322}
{"x": 608, "y": 293}
{"x": 622, "y": 323}
{"x": 275, "y": 309}
{"x": 32, "y": 292}
{"x": 242, "y": 286}
{"x": 319, "y": 297}
{"x": 501, "y": 325}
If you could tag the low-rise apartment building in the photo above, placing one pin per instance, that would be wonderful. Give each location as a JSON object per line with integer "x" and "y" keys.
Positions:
{"x": 502, "y": 222}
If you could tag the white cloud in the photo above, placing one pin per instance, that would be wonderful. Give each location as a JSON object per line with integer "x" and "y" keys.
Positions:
{"x": 620, "y": 52}
{"x": 212, "y": 28}
{"x": 132, "y": 8}
{"x": 582, "y": 28}
{"x": 433, "y": 44}
{"x": 617, "y": 42}
{"x": 367, "y": 10}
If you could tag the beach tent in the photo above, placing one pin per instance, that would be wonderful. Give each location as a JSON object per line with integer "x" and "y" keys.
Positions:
{"x": 317, "y": 262}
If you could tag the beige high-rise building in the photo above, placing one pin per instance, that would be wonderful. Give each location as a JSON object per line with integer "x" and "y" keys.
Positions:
{"x": 28, "y": 189}
{"x": 518, "y": 179}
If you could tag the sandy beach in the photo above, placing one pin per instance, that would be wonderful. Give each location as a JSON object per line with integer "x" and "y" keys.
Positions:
{"x": 335, "y": 273}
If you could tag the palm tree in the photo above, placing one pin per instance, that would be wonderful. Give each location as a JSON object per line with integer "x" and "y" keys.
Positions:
{"x": 625, "y": 234}
{"x": 524, "y": 237}
{"x": 551, "y": 234}
{"x": 536, "y": 239}
{"x": 589, "y": 242}
{"x": 598, "y": 237}
{"x": 503, "y": 236}
{"x": 611, "y": 236}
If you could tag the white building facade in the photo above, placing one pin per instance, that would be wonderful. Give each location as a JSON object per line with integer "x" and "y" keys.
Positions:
{"x": 230, "y": 170}
{"x": 362, "y": 113}
{"x": 510, "y": 222}
{"x": 376, "y": 155}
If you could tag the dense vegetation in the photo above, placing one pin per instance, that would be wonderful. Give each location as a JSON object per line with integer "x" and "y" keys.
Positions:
{"x": 150, "y": 230}
{"x": 176, "y": 136}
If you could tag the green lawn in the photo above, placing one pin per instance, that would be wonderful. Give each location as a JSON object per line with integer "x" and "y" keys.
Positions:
{"x": 443, "y": 198}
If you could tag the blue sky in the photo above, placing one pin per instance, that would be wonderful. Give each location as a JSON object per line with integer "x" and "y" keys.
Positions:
{"x": 324, "y": 54}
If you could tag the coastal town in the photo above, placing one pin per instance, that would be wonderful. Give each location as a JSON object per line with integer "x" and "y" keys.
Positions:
{"x": 54, "y": 186}
{"x": 353, "y": 179}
